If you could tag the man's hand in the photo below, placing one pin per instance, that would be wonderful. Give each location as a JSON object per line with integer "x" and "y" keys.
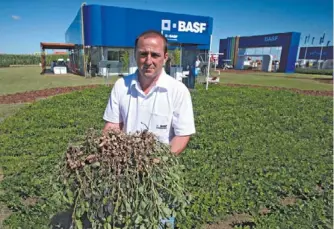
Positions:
{"x": 114, "y": 126}
{"x": 179, "y": 143}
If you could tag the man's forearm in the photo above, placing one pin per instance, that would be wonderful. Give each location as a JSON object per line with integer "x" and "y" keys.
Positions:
{"x": 179, "y": 143}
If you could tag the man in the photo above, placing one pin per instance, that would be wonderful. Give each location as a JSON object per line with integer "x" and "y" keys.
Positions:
{"x": 197, "y": 62}
{"x": 151, "y": 99}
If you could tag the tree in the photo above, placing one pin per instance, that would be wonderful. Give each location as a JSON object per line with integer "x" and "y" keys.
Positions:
{"x": 176, "y": 56}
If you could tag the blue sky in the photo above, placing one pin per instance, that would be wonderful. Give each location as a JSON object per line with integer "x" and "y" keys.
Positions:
{"x": 24, "y": 24}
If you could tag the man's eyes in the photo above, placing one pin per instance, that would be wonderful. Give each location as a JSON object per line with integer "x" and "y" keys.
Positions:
{"x": 154, "y": 55}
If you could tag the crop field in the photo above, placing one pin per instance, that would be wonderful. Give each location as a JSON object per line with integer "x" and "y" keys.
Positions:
{"x": 261, "y": 158}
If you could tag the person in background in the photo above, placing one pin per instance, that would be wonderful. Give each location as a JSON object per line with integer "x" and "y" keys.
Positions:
{"x": 168, "y": 65}
{"x": 195, "y": 68}
{"x": 150, "y": 99}
{"x": 197, "y": 65}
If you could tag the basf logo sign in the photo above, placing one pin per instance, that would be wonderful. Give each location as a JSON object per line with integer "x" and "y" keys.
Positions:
{"x": 173, "y": 29}
{"x": 183, "y": 26}
{"x": 270, "y": 38}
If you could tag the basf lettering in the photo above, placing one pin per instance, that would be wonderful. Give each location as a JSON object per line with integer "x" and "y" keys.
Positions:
{"x": 271, "y": 38}
{"x": 195, "y": 27}
{"x": 183, "y": 26}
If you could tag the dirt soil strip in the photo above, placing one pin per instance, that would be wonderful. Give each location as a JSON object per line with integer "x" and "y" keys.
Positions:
{"x": 231, "y": 221}
{"x": 31, "y": 96}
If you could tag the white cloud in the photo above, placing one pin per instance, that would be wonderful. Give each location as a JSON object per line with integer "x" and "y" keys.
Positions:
{"x": 15, "y": 17}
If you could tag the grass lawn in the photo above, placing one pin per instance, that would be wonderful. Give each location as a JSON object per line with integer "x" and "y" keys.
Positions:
{"x": 9, "y": 109}
{"x": 21, "y": 79}
{"x": 299, "y": 81}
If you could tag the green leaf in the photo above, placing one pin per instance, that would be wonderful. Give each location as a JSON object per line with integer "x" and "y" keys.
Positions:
{"x": 159, "y": 200}
{"x": 108, "y": 226}
{"x": 175, "y": 176}
{"x": 78, "y": 224}
{"x": 143, "y": 204}
{"x": 183, "y": 213}
{"x": 166, "y": 210}
{"x": 69, "y": 195}
{"x": 78, "y": 212}
{"x": 139, "y": 219}
{"x": 141, "y": 189}
{"x": 96, "y": 164}
{"x": 128, "y": 207}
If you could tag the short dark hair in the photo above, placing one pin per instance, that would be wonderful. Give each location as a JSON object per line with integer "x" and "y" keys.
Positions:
{"x": 152, "y": 32}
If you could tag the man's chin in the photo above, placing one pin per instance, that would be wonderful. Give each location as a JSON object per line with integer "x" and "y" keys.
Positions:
{"x": 149, "y": 75}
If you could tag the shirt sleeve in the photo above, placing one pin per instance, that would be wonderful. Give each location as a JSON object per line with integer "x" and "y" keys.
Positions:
{"x": 183, "y": 115}
{"x": 112, "y": 111}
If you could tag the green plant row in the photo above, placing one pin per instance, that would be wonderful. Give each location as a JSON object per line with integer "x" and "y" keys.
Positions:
{"x": 315, "y": 71}
{"x": 260, "y": 153}
{"x": 10, "y": 59}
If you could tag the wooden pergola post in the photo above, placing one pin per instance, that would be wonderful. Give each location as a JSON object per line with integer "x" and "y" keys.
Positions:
{"x": 43, "y": 60}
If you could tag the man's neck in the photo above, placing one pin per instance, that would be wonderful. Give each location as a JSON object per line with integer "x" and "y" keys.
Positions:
{"x": 146, "y": 84}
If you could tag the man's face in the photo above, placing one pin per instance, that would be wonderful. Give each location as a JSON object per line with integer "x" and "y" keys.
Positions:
{"x": 150, "y": 56}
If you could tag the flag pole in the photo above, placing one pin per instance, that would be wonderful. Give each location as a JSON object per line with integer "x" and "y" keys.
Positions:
{"x": 306, "y": 42}
{"x": 208, "y": 68}
{"x": 322, "y": 39}
{"x": 320, "y": 56}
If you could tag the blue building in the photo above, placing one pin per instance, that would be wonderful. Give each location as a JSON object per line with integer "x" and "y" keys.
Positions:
{"x": 104, "y": 35}
{"x": 235, "y": 47}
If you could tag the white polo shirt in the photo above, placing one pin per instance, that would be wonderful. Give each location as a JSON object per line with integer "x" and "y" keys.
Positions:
{"x": 166, "y": 110}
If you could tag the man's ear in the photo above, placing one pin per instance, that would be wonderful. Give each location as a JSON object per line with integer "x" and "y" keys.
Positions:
{"x": 166, "y": 57}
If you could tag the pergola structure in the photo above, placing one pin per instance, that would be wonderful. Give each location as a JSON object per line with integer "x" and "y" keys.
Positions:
{"x": 48, "y": 45}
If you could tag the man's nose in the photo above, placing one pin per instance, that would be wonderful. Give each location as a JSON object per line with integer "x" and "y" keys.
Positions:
{"x": 148, "y": 59}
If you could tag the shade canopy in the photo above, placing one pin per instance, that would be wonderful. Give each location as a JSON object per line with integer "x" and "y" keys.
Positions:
{"x": 49, "y": 45}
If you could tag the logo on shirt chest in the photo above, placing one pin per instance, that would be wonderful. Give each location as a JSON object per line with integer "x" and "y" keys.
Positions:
{"x": 161, "y": 127}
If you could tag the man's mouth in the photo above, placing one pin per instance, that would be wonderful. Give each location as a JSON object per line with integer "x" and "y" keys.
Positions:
{"x": 148, "y": 69}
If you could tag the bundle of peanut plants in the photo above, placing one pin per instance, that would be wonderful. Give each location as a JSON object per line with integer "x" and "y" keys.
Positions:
{"x": 118, "y": 180}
